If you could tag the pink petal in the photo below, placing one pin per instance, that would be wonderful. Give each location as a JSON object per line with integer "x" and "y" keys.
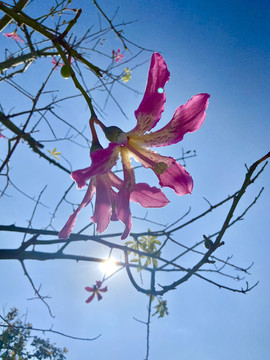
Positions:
{"x": 174, "y": 176}
{"x": 148, "y": 196}
{"x": 105, "y": 289}
{"x": 114, "y": 217}
{"x": 98, "y": 295}
{"x": 123, "y": 210}
{"x": 152, "y": 105}
{"x": 115, "y": 180}
{"x": 113, "y": 196}
{"x": 68, "y": 227}
{"x": 88, "y": 288}
{"x": 102, "y": 161}
{"x": 14, "y": 36}
{"x": 90, "y": 298}
{"x": 187, "y": 118}
{"x": 123, "y": 197}
{"x": 103, "y": 208}
{"x": 99, "y": 283}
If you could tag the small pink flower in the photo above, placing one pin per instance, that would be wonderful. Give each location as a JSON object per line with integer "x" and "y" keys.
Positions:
{"x": 96, "y": 289}
{"x": 14, "y": 36}
{"x": 117, "y": 56}
{"x": 2, "y": 136}
{"x": 56, "y": 63}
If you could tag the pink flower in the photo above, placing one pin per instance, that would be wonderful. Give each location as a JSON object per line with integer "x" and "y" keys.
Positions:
{"x": 135, "y": 143}
{"x": 14, "y": 36}
{"x": 58, "y": 63}
{"x": 96, "y": 290}
{"x": 109, "y": 205}
{"x": 2, "y": 136}
{"x": 117, "y": 56}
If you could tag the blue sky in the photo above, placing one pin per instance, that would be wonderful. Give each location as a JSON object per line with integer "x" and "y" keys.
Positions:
{"x": 217, "y": 47}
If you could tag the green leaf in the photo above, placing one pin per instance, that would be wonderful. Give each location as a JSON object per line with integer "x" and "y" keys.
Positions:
{"x": 161, "y": 308}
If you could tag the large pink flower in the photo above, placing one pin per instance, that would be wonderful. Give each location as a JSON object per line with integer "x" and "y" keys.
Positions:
{"x": 135, "y": 143}
{"x": 110, "y": 205}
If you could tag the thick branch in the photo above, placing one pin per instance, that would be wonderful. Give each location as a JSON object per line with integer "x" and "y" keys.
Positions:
{"x": 7, "y": 19}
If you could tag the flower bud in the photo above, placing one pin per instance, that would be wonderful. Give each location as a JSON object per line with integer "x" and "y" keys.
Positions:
{"x": 65, "y": 72}
{"x": 208, "y": 243}
{"x": 115, "y": 134}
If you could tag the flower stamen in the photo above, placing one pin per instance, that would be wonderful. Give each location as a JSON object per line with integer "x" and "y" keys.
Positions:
{"x": 160, "y": 167}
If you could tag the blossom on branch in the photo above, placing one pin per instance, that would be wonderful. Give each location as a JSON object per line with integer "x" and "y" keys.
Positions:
{"x": 56, "y": 63}
{"x": 96, "y": 290}
{"x": 127, "y": 75}
{"x": 54, "y": 153}
{"x": 135, "y": 143}
{"x": 110, "y": 205}
{"x": 117, "y": 56}
{"x": 14, "y": 35}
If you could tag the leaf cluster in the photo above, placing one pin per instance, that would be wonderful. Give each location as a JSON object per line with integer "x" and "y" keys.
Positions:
{"x": 147, "y": 244}
{"x": 161, "y": 308}
{"x": 15, "y": 343}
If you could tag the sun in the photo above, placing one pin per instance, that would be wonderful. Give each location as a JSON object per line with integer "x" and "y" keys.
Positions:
{"x": 108, "y": 266}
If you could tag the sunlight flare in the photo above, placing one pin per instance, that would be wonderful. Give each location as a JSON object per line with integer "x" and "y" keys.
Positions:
{"x": 108, "y": 266}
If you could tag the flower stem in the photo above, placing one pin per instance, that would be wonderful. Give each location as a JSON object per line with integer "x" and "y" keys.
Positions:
{"x": 103, "y": 127}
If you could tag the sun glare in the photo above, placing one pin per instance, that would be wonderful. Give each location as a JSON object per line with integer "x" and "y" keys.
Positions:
{"x": 108, "y": 266}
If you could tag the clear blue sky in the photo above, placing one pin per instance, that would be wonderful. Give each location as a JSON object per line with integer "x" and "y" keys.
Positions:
{"x": 219, "y": 47}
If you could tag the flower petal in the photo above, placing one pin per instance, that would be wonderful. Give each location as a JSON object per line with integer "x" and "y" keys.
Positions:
{"x": 123, "y": 197}
{"x": 88, "y": 288}
{"x": 187, "y": 118}
{"x": 14, "y": 36}
{"x": 90, "y": 298}
{"x": 103, "y": 208}
{"x": 148, "y": 196}
{"x": 176, "y": 177}
{"x": 99, "y": 283}
{"x": 152, "y": 105}
{"x": 123, "y": 210}
{"x": 115, "y": 180}
{"x": 68, "y": 227}
{"x": 99, "y": 297}
{"x": 105, "y": 289}
{"x": 169, "y": 172}
{"x": 102, "y": 161}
